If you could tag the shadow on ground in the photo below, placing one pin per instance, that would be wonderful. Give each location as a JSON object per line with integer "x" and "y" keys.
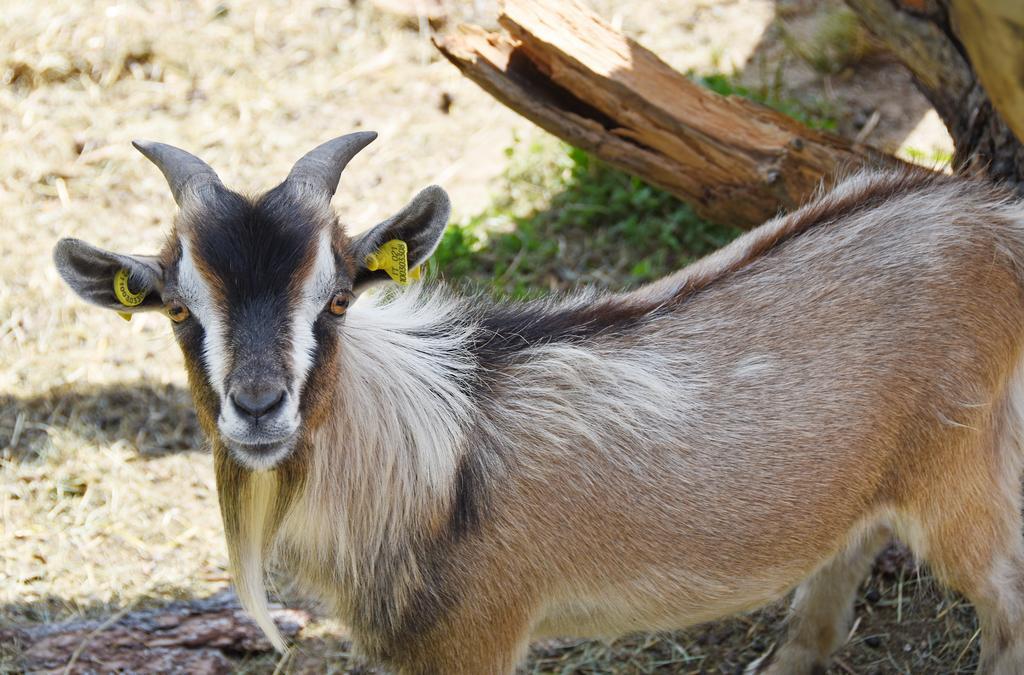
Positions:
{"x": 157, "y": 419}
{"x": 904, "y": 624}
{"x": 816, "y": 52}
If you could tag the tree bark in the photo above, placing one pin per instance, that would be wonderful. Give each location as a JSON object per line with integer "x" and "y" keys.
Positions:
{"x": 190, "y": 636}
{"x": 735, "y": 161}
{"x": 954, "y": 49}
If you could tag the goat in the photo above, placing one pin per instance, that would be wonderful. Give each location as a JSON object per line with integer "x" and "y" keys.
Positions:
{"x": 454, "y": 476}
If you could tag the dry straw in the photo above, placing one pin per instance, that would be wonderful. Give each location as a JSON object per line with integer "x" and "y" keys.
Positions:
{"x": 106, "y": 498}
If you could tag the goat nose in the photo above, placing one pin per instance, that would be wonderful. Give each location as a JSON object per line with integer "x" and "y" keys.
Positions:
{"x": 259, "y": 402}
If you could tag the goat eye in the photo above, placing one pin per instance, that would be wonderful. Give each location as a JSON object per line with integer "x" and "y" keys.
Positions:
{"x": 176, "y": 311}
{"x": 339, "y": 304}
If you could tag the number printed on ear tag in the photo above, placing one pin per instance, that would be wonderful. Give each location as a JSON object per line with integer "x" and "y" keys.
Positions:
{"x": 393, "y": 258}
{"x": 124, "y": 293}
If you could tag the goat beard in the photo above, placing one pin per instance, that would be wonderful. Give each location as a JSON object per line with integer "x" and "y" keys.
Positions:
{"x": 252, "y": 505}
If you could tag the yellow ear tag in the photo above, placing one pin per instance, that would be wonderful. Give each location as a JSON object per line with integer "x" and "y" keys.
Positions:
{"x": 124, "y": 294}
{"x": 393, "y": 258}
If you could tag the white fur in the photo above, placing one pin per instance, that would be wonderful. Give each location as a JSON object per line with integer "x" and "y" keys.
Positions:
{"x": 316, "y": 292}
{"x": 199, "y": 298}
{"x": 407, "y": 410}
{"x": 260, "y": 492}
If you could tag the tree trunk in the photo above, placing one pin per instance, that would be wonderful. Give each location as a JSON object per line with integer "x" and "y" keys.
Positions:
{"x": 961, "y": 52}
{"x": 735, "y": 161}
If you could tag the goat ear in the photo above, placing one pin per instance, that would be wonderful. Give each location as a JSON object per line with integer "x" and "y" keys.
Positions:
{"x": 91, "y": 272}
{"x": 420, "y": 225}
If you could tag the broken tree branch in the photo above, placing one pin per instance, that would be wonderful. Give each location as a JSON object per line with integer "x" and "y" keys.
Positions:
{"x": 564, "y": 68}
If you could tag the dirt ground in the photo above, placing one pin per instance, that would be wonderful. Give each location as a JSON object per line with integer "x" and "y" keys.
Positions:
{"x": 107, "y": 499}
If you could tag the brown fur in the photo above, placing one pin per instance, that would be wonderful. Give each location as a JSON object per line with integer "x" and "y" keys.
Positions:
{"x": 846, "y": 371}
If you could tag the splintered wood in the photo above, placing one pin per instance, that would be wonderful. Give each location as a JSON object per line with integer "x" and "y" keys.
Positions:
{"x": 564, "y": 68}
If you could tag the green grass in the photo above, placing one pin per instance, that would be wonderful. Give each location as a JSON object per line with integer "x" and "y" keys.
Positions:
{"x": 566, "y": 218}
{"x": 936, "y": 158}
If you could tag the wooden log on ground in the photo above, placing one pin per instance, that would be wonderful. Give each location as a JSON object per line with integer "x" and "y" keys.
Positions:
{"x": 564, "y": 68}
{"x": 189, "y": 636}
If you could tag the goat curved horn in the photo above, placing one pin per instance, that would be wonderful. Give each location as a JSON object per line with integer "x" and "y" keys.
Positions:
{"x": 320, "y": 168}
{"x": 185, "y": 173}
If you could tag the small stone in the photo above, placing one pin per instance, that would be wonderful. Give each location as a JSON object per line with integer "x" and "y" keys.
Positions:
{"x": 445, "y": 104}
